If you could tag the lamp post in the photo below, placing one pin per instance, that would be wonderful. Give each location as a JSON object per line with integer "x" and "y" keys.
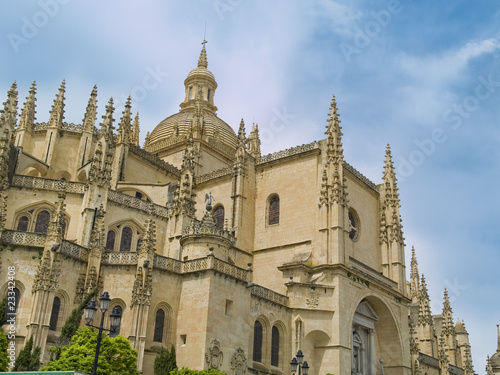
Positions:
{"x": 297, "y": 364}
{"x": 115, "y": 318}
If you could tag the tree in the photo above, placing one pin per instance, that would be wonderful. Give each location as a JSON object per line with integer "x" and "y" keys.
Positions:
{"x": 71, "y": 326}
{"x": 116, "y": 355}
{"x": 3, "y": 352}
{"x": 3, "y": 311}
{"x": 28, "y": 358}
{"x": 165, "y": 362}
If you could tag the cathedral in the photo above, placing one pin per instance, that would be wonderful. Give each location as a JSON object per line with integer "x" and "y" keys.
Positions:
{"x": 237, "y": 259}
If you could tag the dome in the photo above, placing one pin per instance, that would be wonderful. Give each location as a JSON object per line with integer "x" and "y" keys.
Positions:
{"x": 198, "y": 115}
{"x": 176, "y": 128}
{"x": 495, "y": 360}
{"x": 200, "y": 72}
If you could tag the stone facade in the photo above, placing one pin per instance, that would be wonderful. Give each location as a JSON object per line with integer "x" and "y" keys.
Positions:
{"x": 236, "y": 259}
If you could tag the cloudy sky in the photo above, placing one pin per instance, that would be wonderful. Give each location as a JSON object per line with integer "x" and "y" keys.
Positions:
{"x": 421, "y": 75}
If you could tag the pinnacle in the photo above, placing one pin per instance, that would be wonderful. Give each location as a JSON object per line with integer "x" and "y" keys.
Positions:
{"x": 202, "y": 61}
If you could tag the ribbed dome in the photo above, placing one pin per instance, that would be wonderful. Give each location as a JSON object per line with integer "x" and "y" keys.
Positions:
{"x": 495, "y": 360}
{"x": 197, "y": 115}
{"x": 201, "y": 71}
{"x": 177, "y": 127}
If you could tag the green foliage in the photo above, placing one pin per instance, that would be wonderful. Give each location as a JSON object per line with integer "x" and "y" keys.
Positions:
{"x": 71, "y": 326}
{"x": 28, "y": 358}
{"x": 165, "y": 362}
{"x": 3, "y": 352}
{"x": 186, "y": 371}
{"x": 116, "y": 355}
{"x": 3, "y": 308}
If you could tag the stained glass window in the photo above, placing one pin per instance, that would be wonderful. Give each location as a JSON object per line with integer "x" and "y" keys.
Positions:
{"x": 126, "y": 240}
{"x": 219, "y": 216}
{"x": 110, "y": 241}
{"x": 23, "y": 223}
{"x": 42, "y": 221}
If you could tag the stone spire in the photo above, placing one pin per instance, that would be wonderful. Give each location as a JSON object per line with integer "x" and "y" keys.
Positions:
{"x": 27, "y": 119}
{"x": 100, "y": 169}
{"x": 125, "y": 127}
{"x": 253, "y": 142}
{"x": 107, "y": 123}
{"x": 202, "y": 61}
{"x": 335, "y": 153}
{"x": 448, "y": 326}
{"x": 242, "y": 135}
{"x": 91, "y": 112}
{"x": 57, "y": 112}
{"x": 134, "y": 136}
{"x": 414, "y": 277}
{"x": 7, "y": 125}
{"x": 148, "y": 242}
{"x": 390, "y": 201}
{"x": 188, "y": 156}
{"x": 184, "y": 201}
{"x": 444, "y": 360}
{"x": 8, "y": 116}
{"x": 98, "y": 232}
{"x": 424, "y": 315}
{"x": 57, "y": 222}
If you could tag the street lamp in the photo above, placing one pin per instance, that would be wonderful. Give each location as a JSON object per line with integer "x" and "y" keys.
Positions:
{"x": 297, "y": 363}
{"x": 115, "y": 319}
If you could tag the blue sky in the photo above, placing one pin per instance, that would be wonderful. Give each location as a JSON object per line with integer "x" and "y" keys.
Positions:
{"x": 421, "y": 75}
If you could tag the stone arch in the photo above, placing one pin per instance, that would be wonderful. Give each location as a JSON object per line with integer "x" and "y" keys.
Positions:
{"x": 282, "y": 349}
{"x": 33, "y": 170}
{"x": 386, "y": 340}
{"x": 314, "y": 349}
{"x": 23, "y": 302}
{"x": 168, "y": 330}
{"x": 116, "y": 302}
{"x": 273, "y": 209}
{"x": 264, "y": 340}
{"x": 31, "y": 212}
{"x": 63, "y": 308}
{"x": 117, "y": 228}
{"x": 136, "y": 193}
{"x": 63, "y": 175}
{"x": 82, "y": 176}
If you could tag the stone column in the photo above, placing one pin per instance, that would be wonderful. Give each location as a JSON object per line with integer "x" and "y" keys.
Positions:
{"x": 371, "y": 346}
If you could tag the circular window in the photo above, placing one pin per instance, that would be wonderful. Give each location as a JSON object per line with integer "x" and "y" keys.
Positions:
{"x": 353, "y": 225}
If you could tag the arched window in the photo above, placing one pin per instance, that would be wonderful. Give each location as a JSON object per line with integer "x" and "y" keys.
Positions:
{"x": 54, "y": 316}
{"x": 274, "y": 210}
{"x": 353, "y": 225}
{"x": 110, "y": 241}
{"x": 257, "y": 341}
{"x": 208, "y": 95}
{"x": 159, "y": 325}
{"x": 275, "y": 346}
{"x": 126, "y": 240}
{"x": 219, "y": 216}
{"x": 23, "y": 223}
{"x": 42, "y": 221}
{"x": 115, "y": 330}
